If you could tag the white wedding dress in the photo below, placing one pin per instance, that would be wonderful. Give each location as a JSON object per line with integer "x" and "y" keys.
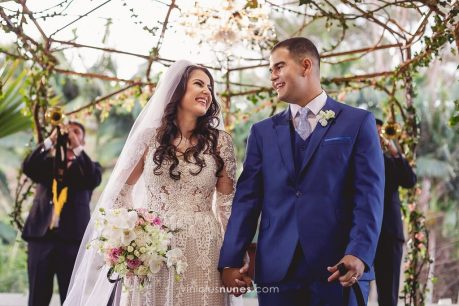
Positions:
{"x": 197, "y": 206}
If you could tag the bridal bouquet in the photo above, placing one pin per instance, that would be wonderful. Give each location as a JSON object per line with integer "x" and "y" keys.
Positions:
{"x": 135, "y": 242}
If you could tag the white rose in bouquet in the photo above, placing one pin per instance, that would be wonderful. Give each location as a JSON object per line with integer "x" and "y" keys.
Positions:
{"x": 154, "y": 262}
{"x": 173, "y": 256}
{"x": 181, "y": 267}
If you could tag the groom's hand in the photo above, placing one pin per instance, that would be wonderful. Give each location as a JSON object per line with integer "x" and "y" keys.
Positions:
{"x": 237, "y": 280}
{"x": 355, "y": 268}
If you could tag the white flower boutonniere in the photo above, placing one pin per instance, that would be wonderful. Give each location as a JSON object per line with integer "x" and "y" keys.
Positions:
{"x": 325, "y": 116}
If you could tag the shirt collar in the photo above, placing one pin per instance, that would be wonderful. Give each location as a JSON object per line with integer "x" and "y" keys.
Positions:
{"x": 315, "y": 105}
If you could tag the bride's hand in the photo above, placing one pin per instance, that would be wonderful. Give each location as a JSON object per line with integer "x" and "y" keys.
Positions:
{"x": 236, "y": 280}
{"x": 246, "y": 280}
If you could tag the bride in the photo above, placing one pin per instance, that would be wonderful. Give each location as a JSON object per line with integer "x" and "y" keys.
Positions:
{"x": 181, "y": 162}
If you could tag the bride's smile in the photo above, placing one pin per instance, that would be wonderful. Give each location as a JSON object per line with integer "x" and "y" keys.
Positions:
{"x": 198, "y": 96}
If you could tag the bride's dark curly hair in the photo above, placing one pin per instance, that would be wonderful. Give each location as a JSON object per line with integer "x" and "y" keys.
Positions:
{"x": 205, "y": 133}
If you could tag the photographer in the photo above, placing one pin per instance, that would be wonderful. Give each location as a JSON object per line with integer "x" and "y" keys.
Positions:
{"x": 54, "y": 232}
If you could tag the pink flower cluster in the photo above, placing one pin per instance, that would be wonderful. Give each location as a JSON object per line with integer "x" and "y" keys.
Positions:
{"x": 133, "y": 263}
{"x": 114, "y": 254}
{"x": 147, "y": 217}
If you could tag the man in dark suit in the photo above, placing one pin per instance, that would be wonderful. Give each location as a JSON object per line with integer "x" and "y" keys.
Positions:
{"x": 53, "y": 241}
{"x": 390, "y": 245}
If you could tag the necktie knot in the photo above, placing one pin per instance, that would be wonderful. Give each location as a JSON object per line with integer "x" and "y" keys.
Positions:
{"x": 304, "y": 112}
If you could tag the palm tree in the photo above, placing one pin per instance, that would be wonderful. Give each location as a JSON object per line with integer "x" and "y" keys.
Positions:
{"x": 12, "y": 120}
{"x": 12, "y": 84}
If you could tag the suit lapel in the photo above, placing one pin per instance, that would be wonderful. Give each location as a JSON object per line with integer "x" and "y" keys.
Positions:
{"x": 319, "y": 132}
{"x": 282, "y": 129}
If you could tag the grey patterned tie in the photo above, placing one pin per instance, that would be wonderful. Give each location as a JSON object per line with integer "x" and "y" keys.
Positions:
{"x": 303, "y": 128}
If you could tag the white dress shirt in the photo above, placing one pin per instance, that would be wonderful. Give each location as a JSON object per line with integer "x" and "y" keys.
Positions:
{"x": 314, "y": 106}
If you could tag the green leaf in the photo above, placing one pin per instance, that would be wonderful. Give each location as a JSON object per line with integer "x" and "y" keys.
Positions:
{"x": 12, "y": 84}
{"x": 7, "y": 233}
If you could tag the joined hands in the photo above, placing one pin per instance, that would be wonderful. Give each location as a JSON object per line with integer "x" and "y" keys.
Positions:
{"x": 234, "y": 279}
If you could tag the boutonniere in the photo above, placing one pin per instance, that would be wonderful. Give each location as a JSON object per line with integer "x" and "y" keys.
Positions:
{"x": 325, "y": 116}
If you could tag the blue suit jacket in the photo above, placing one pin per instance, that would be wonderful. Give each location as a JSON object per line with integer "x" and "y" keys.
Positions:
{"x": 333, "y": 207}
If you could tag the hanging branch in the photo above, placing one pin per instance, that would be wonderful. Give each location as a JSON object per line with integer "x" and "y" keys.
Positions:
{"x": 333, "y": 15}
{"x": 362, "y": 77}
{"x": 363, "y": 53}
{"x": 239, "y": 84}
{"x": 108, "y": 50}
{"x": 94, "y": 103}
{"x": 414, "y": 62}
{"x": 36, "y": 119}
{"x": 98, "y": 76}
{"x": 284, "y": 8}
{"x": 79, "y": 18}
{"x": 362, "y": 50}
{"x": 52, "y": 7}
{"x": 370, "y": 16}
{"x": 18, "y": 31}
{"x": 251, "y": 92}
{"x": 15, "y": 56}
{"x": 23, "y": 190}
{"x": 419, "y": 31}
{"x": 166, "y": 21}
{"x": 29, "y": 13}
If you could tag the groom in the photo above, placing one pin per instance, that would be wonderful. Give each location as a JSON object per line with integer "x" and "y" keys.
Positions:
{"x": 315, "y": 173}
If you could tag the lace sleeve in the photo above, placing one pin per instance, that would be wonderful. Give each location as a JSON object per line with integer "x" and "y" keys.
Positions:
{"x": 226, "y": 183}
{"x": 124, "y": 198}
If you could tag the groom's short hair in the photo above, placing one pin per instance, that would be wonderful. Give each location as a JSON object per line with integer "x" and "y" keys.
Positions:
{"x": 299, "y": 47}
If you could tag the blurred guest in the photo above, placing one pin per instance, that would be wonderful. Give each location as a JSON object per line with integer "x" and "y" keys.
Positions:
{"x": 58, "y": 217}
{"x": 390, "y": 245}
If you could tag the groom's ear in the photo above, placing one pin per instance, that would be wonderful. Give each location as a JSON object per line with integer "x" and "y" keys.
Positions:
{"x": 307, "y": 65}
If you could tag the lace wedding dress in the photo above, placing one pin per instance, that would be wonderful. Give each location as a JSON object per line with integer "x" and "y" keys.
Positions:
{"x": 199, "y": 205}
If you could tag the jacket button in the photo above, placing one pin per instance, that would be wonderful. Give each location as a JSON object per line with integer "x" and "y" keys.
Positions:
{"x": 298, "y": 194}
